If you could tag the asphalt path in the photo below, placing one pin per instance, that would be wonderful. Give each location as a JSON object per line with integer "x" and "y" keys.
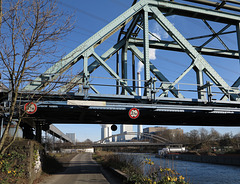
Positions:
{"x": 82, "y": 169}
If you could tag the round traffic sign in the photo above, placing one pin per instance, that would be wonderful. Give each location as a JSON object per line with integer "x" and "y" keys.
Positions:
{"x": 114, "y": 127}
{"x": 133, "y": 113}
{"x": 30, "y": 108}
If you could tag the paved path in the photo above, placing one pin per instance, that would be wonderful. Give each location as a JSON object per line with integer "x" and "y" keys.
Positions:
{"x": 82, "y": 169}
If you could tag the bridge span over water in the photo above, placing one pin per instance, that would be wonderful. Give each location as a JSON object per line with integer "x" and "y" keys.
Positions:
{"x": 107, "y": 90}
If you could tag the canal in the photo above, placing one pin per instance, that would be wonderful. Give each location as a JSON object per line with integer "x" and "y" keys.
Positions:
{"x": 195, "y": 172}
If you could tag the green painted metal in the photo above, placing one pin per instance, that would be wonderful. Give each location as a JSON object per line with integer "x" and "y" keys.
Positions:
{"x": 198, "y": 60}
{"x": 167, "y": 45}
{"x": 146, "y": 51}
{"x": 215, "y": 35}
{"x": 171, "y": 85}
{"x": 199, "y": 74}
{"x": 196, "y": 12}
{"x": 57, "y": 69}
{"x": 155, "y": 71}
{"x": 140, "y": 14}
{"x": 113, "y": 74}
{"x": 238, "y": 38}
{"x": 93, "y": 66}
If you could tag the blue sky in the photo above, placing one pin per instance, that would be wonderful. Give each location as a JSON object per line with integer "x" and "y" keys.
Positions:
{"x": 92, "y": 15}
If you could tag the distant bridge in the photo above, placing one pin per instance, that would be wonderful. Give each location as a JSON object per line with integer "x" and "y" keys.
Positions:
{"x": 54, "y": 131}
{"x": 147, "y": 142}
{"x": 117, "y": 138}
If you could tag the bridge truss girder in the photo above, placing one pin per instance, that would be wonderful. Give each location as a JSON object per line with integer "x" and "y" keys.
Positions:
{"x": 138, "y": 17}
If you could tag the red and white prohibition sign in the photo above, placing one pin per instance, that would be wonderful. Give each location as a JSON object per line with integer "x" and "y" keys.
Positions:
{"x": 30, "y": 108}
{"x": 133, "y": 113}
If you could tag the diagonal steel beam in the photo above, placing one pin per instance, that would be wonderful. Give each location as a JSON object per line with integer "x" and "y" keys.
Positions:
{"x": 155, "y": 71}
{"x": 92, "y": 67}
{"x": 210, "y": 35}
{"x": 235, "y": 85}
{"x": 215, "y": 35}
{"x": 237, "y": 82}
{"x": 198, "y": 60}
{"x": 170, "y": 86}
{"x": 113, "y": 74}
{"x": 66, "y": 62}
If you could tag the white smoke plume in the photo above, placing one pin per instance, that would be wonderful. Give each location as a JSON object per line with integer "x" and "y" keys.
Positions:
{"x": 158, "y": 32}
{"x": 140, "y": 66}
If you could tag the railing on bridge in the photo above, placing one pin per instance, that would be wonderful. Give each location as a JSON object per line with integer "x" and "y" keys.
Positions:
{"x": 158, "y": 90}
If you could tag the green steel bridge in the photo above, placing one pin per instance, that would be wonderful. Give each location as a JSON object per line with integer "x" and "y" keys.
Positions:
{"x": 123, "y": 98}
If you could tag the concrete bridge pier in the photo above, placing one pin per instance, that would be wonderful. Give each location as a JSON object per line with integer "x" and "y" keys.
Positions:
{"x": 27, "y": 131}
{"x": 38, "y": 132}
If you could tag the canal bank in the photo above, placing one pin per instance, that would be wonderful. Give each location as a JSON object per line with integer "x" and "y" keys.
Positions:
{"x": 219, "y": 159}
{"x": 193, "y": 172}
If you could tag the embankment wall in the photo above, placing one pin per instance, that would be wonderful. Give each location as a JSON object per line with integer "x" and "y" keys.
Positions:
{"x": 220, "y": 159}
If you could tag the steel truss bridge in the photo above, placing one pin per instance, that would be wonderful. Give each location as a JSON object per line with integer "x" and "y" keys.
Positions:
{"x": 86, "y": 99}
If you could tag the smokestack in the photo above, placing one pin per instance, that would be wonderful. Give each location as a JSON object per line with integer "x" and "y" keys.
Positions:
{"x": 139, "y": 131}
{"x": 106, "y": 132}
{"x": 139, "y": 83}
{"x": 139, "y": 127}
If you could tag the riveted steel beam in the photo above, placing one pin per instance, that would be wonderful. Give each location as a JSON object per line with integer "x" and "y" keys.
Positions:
{"x": 92, "y": 67}
{"x": 167, "y": 45}
{"x": 155, "y": 71}
{"x": 215, "y": 35}
{"x": 216, "y": 4}
{"x": 113, "y": 74}
{"x": 196, "y": 12}
{"x": 198, "y": 60}
{"x": 74, "y": 56}
{"x": 146, "y": 51}
{"x": 170, "y": 86}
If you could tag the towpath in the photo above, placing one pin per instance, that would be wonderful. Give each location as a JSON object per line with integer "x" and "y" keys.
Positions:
{"x": 82, "y": 169}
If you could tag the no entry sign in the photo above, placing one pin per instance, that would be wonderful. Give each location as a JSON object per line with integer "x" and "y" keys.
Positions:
{"x": 133, "y": 113}
{"x": 30, "y": 108}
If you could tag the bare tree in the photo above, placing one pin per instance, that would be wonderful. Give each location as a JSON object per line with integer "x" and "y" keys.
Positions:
{"x": 204, "y": 135}
{"x": 193, "y": 137}
{"x": 30, "y": 30}
{"x": 214, "y": 135}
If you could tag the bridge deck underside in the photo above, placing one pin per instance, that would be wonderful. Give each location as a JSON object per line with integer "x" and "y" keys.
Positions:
{"x": 178, "y": 113}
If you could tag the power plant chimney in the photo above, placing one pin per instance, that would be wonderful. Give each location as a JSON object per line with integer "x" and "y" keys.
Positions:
{"x": 139, "y": 127}
{"x": 139, "y": 83}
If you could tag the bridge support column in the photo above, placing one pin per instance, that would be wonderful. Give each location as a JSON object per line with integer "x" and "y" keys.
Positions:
{"x": 27, "y": 131}
{"x": 238, "y": 37}
{"x": 124, "y": 66}
{"x": 85, "y": 75}
{"x": 147, "y": 91}
{"x": 38, "y": 132}
{"x": 201, "y": 92}
{"x": 53, "y": 142}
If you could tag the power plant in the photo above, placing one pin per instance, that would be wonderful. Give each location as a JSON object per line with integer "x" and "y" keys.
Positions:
{"x": 106, "y": 130}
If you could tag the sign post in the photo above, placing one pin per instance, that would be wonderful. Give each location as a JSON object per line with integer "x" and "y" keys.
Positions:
{"x": 133, "y": 113}
{"x": 30, "y": 108}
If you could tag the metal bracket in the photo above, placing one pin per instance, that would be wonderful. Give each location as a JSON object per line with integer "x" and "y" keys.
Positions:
{"x": 209, "y": 91}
